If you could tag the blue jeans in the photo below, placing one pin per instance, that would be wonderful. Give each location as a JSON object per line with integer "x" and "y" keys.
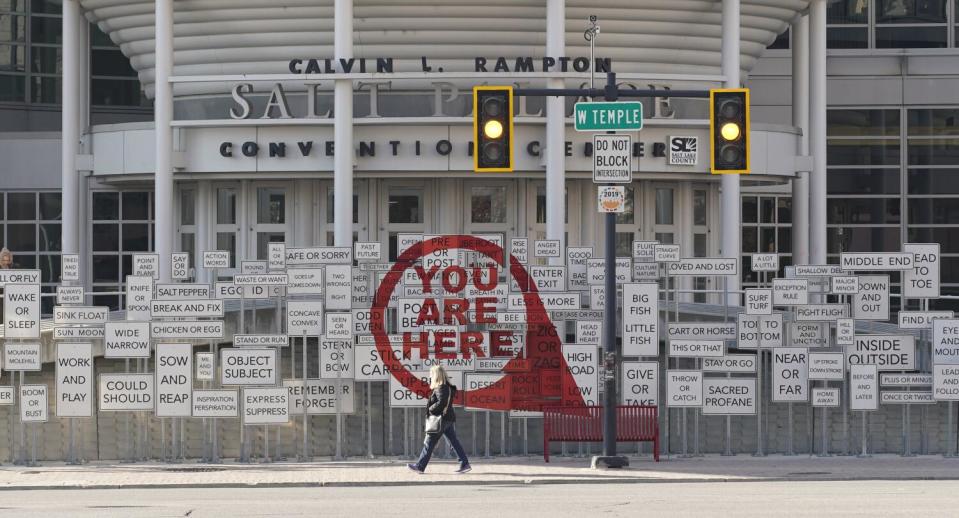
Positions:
{"x": 449, "y": 430}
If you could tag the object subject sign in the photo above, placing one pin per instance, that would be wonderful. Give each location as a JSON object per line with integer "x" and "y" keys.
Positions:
{"x": 74, "y": 371}
{"x": 174, "y": 380}
{"x": 248, "y": 367}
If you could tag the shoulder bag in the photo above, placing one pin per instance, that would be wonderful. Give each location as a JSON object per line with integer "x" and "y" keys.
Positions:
{"x": 434, "y": 423}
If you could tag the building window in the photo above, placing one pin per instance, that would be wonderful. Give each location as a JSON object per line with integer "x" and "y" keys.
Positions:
{"x": 932, "y": 200}
{"x": 767, "y": 228}
{"x": 121, "y": 225}
{"x": 31, "y": 59}
{"x": 781, "y": 41}
{"x": 864, "y": 208}
{"x": 860, "y": 24}
{"x": 30, "y": 228}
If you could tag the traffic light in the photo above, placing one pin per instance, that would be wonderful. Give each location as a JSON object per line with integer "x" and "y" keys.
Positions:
{"x": 493, "y": 129}
{"x": 729, "y": 130}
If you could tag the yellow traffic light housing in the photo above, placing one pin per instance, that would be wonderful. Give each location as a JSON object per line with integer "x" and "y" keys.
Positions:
{"x": 493, "y": 129}
{"x": 729, "y": 131}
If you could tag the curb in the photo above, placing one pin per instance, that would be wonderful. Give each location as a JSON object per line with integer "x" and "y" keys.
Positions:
{"x": 465, "y": 482}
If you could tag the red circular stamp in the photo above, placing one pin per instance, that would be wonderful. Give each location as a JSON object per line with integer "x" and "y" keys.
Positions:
{"x": 531, "y": 380}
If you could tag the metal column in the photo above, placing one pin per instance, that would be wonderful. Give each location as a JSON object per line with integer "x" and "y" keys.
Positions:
{"x": 556, "y": 130}
{"x": 163, "y": 117}
{"x": 731, "y": 220}
{"x": 70, "y": 119}
{"x": 343, "y": 128}
{"x": 817, "y": 131}
{"x": 800, "y": 93}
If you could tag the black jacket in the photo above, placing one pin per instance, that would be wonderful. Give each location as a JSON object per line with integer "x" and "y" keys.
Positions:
{"x": 438, "y": 401}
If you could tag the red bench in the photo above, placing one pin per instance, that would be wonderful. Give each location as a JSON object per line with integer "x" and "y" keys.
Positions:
{"x": 585, "y": 424}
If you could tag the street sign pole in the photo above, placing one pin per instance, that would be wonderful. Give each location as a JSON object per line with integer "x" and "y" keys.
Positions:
{"x": 611, "y": 359}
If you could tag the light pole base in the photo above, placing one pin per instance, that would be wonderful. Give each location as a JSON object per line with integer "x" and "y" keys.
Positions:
{"x": 614, "y": 462}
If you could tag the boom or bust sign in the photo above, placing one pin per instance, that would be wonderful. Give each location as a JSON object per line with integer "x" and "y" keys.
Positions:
{"x": 456, "y": 296}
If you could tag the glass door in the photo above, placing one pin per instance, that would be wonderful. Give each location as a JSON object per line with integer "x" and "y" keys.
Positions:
{"x": 271, "y": 217}
{"x": 536, "y": 201}
{"x": 361, "y": 216}
{"x": 403, "y": 209}
{"x": 226, "y": 226}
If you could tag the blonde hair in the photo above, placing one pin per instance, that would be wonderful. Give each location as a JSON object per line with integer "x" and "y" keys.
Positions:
{"x": 438, "y": 376}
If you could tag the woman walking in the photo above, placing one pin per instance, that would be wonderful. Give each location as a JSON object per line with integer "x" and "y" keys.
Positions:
{"x": 440, "y": 421}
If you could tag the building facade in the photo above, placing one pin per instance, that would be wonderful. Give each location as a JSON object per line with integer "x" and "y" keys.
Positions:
{"x": 260, "y": 107}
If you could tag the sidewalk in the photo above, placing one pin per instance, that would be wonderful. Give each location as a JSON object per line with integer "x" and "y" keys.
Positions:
{"x": 501, "y": 470}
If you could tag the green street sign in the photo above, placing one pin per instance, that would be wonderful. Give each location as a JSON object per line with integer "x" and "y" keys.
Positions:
{"x": 625, "y": 116}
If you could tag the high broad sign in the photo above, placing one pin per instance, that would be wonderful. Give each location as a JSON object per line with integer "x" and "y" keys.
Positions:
{"x": 607, "y": 116}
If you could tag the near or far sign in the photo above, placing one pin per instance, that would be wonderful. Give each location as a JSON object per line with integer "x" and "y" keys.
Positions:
{"x": 607, "y": 116}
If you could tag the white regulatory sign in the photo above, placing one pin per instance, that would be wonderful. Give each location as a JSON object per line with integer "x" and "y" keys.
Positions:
{"x": 825, "y": 397}
{"x": 321, "y": 397}
{"x": 179, "y": 266}
{"x": 304, "y": 317}
{"x": 174, "y": 380}
{"x": 126, "y": 339}
{"x": 21, "y": 311}
{"x": 216, "y": 403}
{"x": 872, "y": 300}
{"x": 729, "y": 396}
{"x": 205, "y": 369}
{"x": 216, "y": 259}
{"x": 276, "y": 256}
{"x": 826, "y": 366}
{"x": 126, "y": 392}
{"x": 887, "y": 352}
{"x": 33, "y": 404}
{"x": 863, "y": 387}
{"x": 367, "y": 251}
{"x": 70, "y": 267}
{"x": 74, "y": 372}
{"x": 266, "y": 406}
{"x": 872, "y": 261}
{"x": 790, "y": 374}
{"x": 640, "y": 319}
{"x": 684, "y": 388}
{"x": 336, "y": 359}
{"x": 248, "y": 367}
{"x": 922, "y": 280}
{"x": 945, "y": 342}
{"x": 21, "y": 356}
{"x": 612, "y": 158}
{"x": 640, "y": 383}
{"x": 765, "y": 262}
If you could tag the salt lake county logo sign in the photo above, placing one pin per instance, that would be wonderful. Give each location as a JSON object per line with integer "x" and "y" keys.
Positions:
{"x": 683, "y": 150}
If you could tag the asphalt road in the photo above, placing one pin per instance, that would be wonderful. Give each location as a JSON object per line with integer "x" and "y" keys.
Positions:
{"x": 741, "y": 499}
